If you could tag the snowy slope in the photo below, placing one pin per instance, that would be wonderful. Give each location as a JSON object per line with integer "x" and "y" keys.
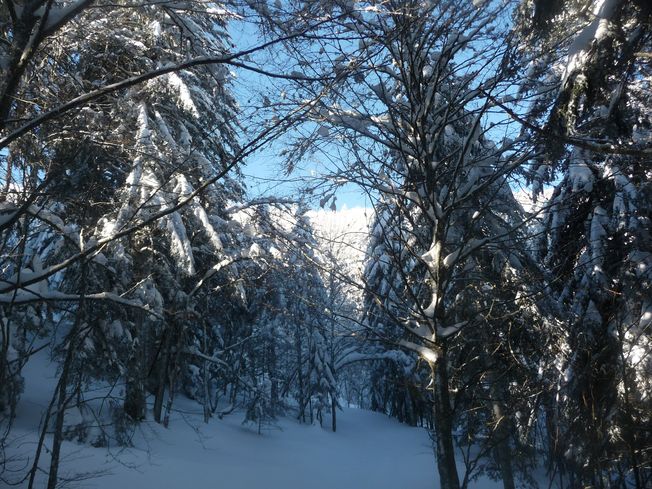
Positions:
{"x": 343, "y": 236}
{"x": 345, "y": 233}
{"x": 369, "y": 450}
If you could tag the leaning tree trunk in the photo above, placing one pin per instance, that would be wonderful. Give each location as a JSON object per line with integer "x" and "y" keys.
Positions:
{"x": 62, "y": 404}
{"x": 75, "y": 338}
{"x": 173, "y": 368}
{"x": 503, "y": 427}
{"x": 301, "y": 394}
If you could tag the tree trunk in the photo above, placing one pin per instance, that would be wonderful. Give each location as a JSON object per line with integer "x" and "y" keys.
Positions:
{"x": 503, "y": 428}
{"x": 207, "y": 393}
{"x": 134, "y": 404}
{"x": 62, "y": 404}
{"x": 160, "y": 389}
{"x": 7, "y": 394}
{"x": 135, "y": 401}
{"x": 161, "y": 374}
{"x": 173, "y": 372}
{"x": 301, "y": 394}
{"x": 272, "y": 370}
{"x": 206, "y": 376}
{"x": 443, "y": 420}
{"x": 502, "y": 450}
{"x": 74, "y": 339}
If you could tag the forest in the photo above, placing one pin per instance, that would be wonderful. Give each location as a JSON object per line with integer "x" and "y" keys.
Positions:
{"x": 492, "y": 290}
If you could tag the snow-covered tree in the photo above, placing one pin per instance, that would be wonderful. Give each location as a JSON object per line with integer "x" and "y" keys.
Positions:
{"x": 397, "y": 386}
{"x": 125, "y": 158}
{"x": 129, "y": 250}
{"x": 341, "y": 238}
{"x": 596, "y": 243}
{"x": 410, "y": 110}
{"x": 283, "y": 362}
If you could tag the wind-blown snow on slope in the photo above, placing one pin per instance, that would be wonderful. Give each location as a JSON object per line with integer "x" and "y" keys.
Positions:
{"x": 345, "y": 232}
{"x": 343, "y": 237}
{"x": 369, "y": 450}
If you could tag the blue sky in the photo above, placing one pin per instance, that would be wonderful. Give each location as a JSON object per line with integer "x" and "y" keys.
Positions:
{"x": 264, "y": 177}
{"x": 264, "y": 171}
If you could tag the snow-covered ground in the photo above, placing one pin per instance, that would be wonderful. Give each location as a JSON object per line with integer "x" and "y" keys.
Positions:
{"x": 369, "y": 451}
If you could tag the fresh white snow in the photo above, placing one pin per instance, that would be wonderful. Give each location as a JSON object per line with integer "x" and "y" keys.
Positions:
{"x": 369, "y": 450}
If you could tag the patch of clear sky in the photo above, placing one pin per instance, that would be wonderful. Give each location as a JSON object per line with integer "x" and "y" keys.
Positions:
{"x": 264, "y": 171}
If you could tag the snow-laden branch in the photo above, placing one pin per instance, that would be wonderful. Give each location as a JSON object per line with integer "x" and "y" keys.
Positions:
{"x": 230, "y": 59}
{"x": 58, "y": 16}
{"x": 256, "y": 202}
{"x": 592, "y": 34}
{"x": 355, "y": 356}
{"x": 595, "y": 146}
{"x": 213, "y": 270}
{"x": 27, "y": 296}
{"x": 428, "y": 353}
{"x": 195, "y": 353}
{"x": 263, "y": 137}
{"x": 10, "y": 211}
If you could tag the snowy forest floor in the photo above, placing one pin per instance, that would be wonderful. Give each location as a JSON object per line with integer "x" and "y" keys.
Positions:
{"x": 369, "y": 451}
